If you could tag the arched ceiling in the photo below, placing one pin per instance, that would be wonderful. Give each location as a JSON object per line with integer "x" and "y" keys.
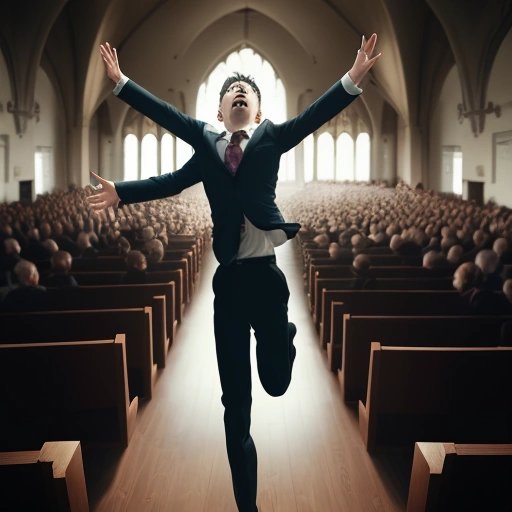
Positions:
{"x": 310, "y": 42}
{"x": 170, "y": 45}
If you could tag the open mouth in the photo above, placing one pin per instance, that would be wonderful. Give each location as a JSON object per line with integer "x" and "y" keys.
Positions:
{"x": 239, "y": 102}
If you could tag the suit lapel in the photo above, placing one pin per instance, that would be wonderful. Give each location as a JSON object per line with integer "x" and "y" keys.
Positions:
{"x": 255, "y": 137}
{"x": 212, "y": 136}
{"x": 211, "y": 141}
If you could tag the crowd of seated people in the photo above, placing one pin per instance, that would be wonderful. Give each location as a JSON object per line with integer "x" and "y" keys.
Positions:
{"x": 442, "y": 230}
{"x": 57, "y": 227}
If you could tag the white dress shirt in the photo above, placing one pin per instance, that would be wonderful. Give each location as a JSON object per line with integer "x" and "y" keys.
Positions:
{"x": 255, "y": 242}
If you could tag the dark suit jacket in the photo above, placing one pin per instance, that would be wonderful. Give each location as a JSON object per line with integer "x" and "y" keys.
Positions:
{"x": 252, "y": 190}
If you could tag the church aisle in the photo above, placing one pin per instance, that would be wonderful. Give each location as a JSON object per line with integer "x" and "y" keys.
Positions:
{"x": 310, "y": 453}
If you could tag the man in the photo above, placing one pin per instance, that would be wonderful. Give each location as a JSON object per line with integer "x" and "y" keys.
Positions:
{"x": 29, "y": 295}
{"x": 239, "y": 169}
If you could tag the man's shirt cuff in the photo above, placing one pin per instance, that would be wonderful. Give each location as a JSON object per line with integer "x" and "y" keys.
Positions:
{"x": 348, "y": 85}
{"x": 120, "y": 84}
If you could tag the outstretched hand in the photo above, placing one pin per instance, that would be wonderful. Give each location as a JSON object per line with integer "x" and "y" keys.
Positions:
{"x": 364, "y": 59}
{"x": 109, "y": 56}
{"x": 104, "y": 196}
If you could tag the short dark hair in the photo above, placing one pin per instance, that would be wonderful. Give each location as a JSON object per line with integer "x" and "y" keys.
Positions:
{"x": 238, "y": 77}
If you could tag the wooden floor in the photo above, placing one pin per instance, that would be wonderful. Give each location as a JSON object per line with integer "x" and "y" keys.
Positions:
{"x": 311, "y": 457}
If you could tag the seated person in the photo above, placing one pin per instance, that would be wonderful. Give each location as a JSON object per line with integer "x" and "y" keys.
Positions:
{"x": 340, "y": 254}
{"x": 83, "y": 241}
{"x": 454, "y": 256}
{"x": 8, "y": 260}
{"x": 123, "y": 246}
{"x": 136, "y": 265}
{"x": 363, "y": 280}
{"x": 501, "y": 247}
{"x": 434, "y": 259}
{"x": 468, "y": 279}
{"x": 155, "y": 251}
{"x": 506, "y": 328}
{"x": 60, "y": 276}
{"x": 28, "y": 296}
{"x": 488, "y": 262}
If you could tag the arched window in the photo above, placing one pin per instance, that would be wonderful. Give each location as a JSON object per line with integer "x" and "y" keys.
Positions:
{"x": 345, "y": 157}
{"x": 131, "y": 157}
{"x": 183, "y": 153}
{"x": 167, "y": 153}
{"x": 309, "y": 143}
{"x": 273, "y": 96}
{"x": 325, "y": 157}
{"x": 363, "y": 157}
{"x": 149, "y": 156}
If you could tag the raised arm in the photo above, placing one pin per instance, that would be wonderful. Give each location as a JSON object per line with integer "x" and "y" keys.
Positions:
{"x": 364, "y": 59}
{"x": 339, "y": 96}
{"x": 183, "y": 126}
{"x": 109, "y": 193}
{"x": 111, "y": 62}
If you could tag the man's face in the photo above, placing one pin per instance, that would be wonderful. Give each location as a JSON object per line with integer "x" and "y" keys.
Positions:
{"x": 239, "y": 107}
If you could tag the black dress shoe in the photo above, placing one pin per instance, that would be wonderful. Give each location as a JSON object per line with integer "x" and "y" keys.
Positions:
{"x": 292, "y": 331}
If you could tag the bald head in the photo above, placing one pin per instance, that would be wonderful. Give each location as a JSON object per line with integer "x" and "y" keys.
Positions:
{"x": 26, "y": 273}
{"x": 487, "y": 260}
{"x": 467, "y": 276}
{"x": 11, "y": 246}
{"x": 507, "y": 289}
{"x": 61, "y": 262}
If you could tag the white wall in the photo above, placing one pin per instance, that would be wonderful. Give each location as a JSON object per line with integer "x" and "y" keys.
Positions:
{"x": 476, "y": 151}
{"x": 49, "y": 131}
{"x": 6, "y": 120}
{"x": 500, "y": 93}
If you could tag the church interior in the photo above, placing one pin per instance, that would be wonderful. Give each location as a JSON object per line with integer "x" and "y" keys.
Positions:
{"x": 400, "y": 276}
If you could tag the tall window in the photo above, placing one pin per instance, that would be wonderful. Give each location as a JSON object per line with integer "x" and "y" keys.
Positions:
{"x": 131, "y": 157}
{"x": 325, "y": 157}
{"x": 363, "y": 157}
{"x": 273, "y": 96}
{"x": 149, "y": 156}
{"x": 457, "y": 172}
{"x": 4, "y": 164}
{"x": 345, "y": 157}
{"x": 167, "y": 153}
{"x": 452, "y": 169}
{"x": 309, "y": 146}
{"x": 44, "y": 172}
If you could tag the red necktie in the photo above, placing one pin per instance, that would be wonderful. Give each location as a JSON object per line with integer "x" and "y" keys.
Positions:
{"x": 234, "y": 153}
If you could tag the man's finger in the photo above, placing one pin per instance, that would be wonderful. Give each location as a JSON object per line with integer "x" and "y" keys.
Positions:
{"x": 99, "y": 178}
{"x": 98, "y": 207}
{"x": 372, "y": 60}
{"x": 96, "y": 198}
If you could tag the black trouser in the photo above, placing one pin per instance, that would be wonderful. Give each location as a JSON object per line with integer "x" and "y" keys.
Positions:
{"x": 252, "y": 293}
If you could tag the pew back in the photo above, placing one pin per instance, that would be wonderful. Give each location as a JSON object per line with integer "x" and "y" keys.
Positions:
{"x": 47, "y": 480}
{"x": 472, "y": 477}
{"x": 83, "y": 325}
{"x": 65, "y": 391}
{"x": 419, "y": 331}
{"x": 433, "y": 394}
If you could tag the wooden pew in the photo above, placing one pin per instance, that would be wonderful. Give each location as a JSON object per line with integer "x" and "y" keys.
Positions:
{"x": 447, "y": 477}
{"x": 112, "y": 277}
{"x": 399, "y": 283}
{"x": 383, "y": 302}
{"x": 83, "y": 325}
{"x": 117, "y": 297}
{"x": 65, "y": 391}
{"x": 379, "y": 272}
{"x": 49, "y": 479}
{"x": 409, "y": 331}
{"x": 434, "y": 394}
{"x": 117, "y": 264}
